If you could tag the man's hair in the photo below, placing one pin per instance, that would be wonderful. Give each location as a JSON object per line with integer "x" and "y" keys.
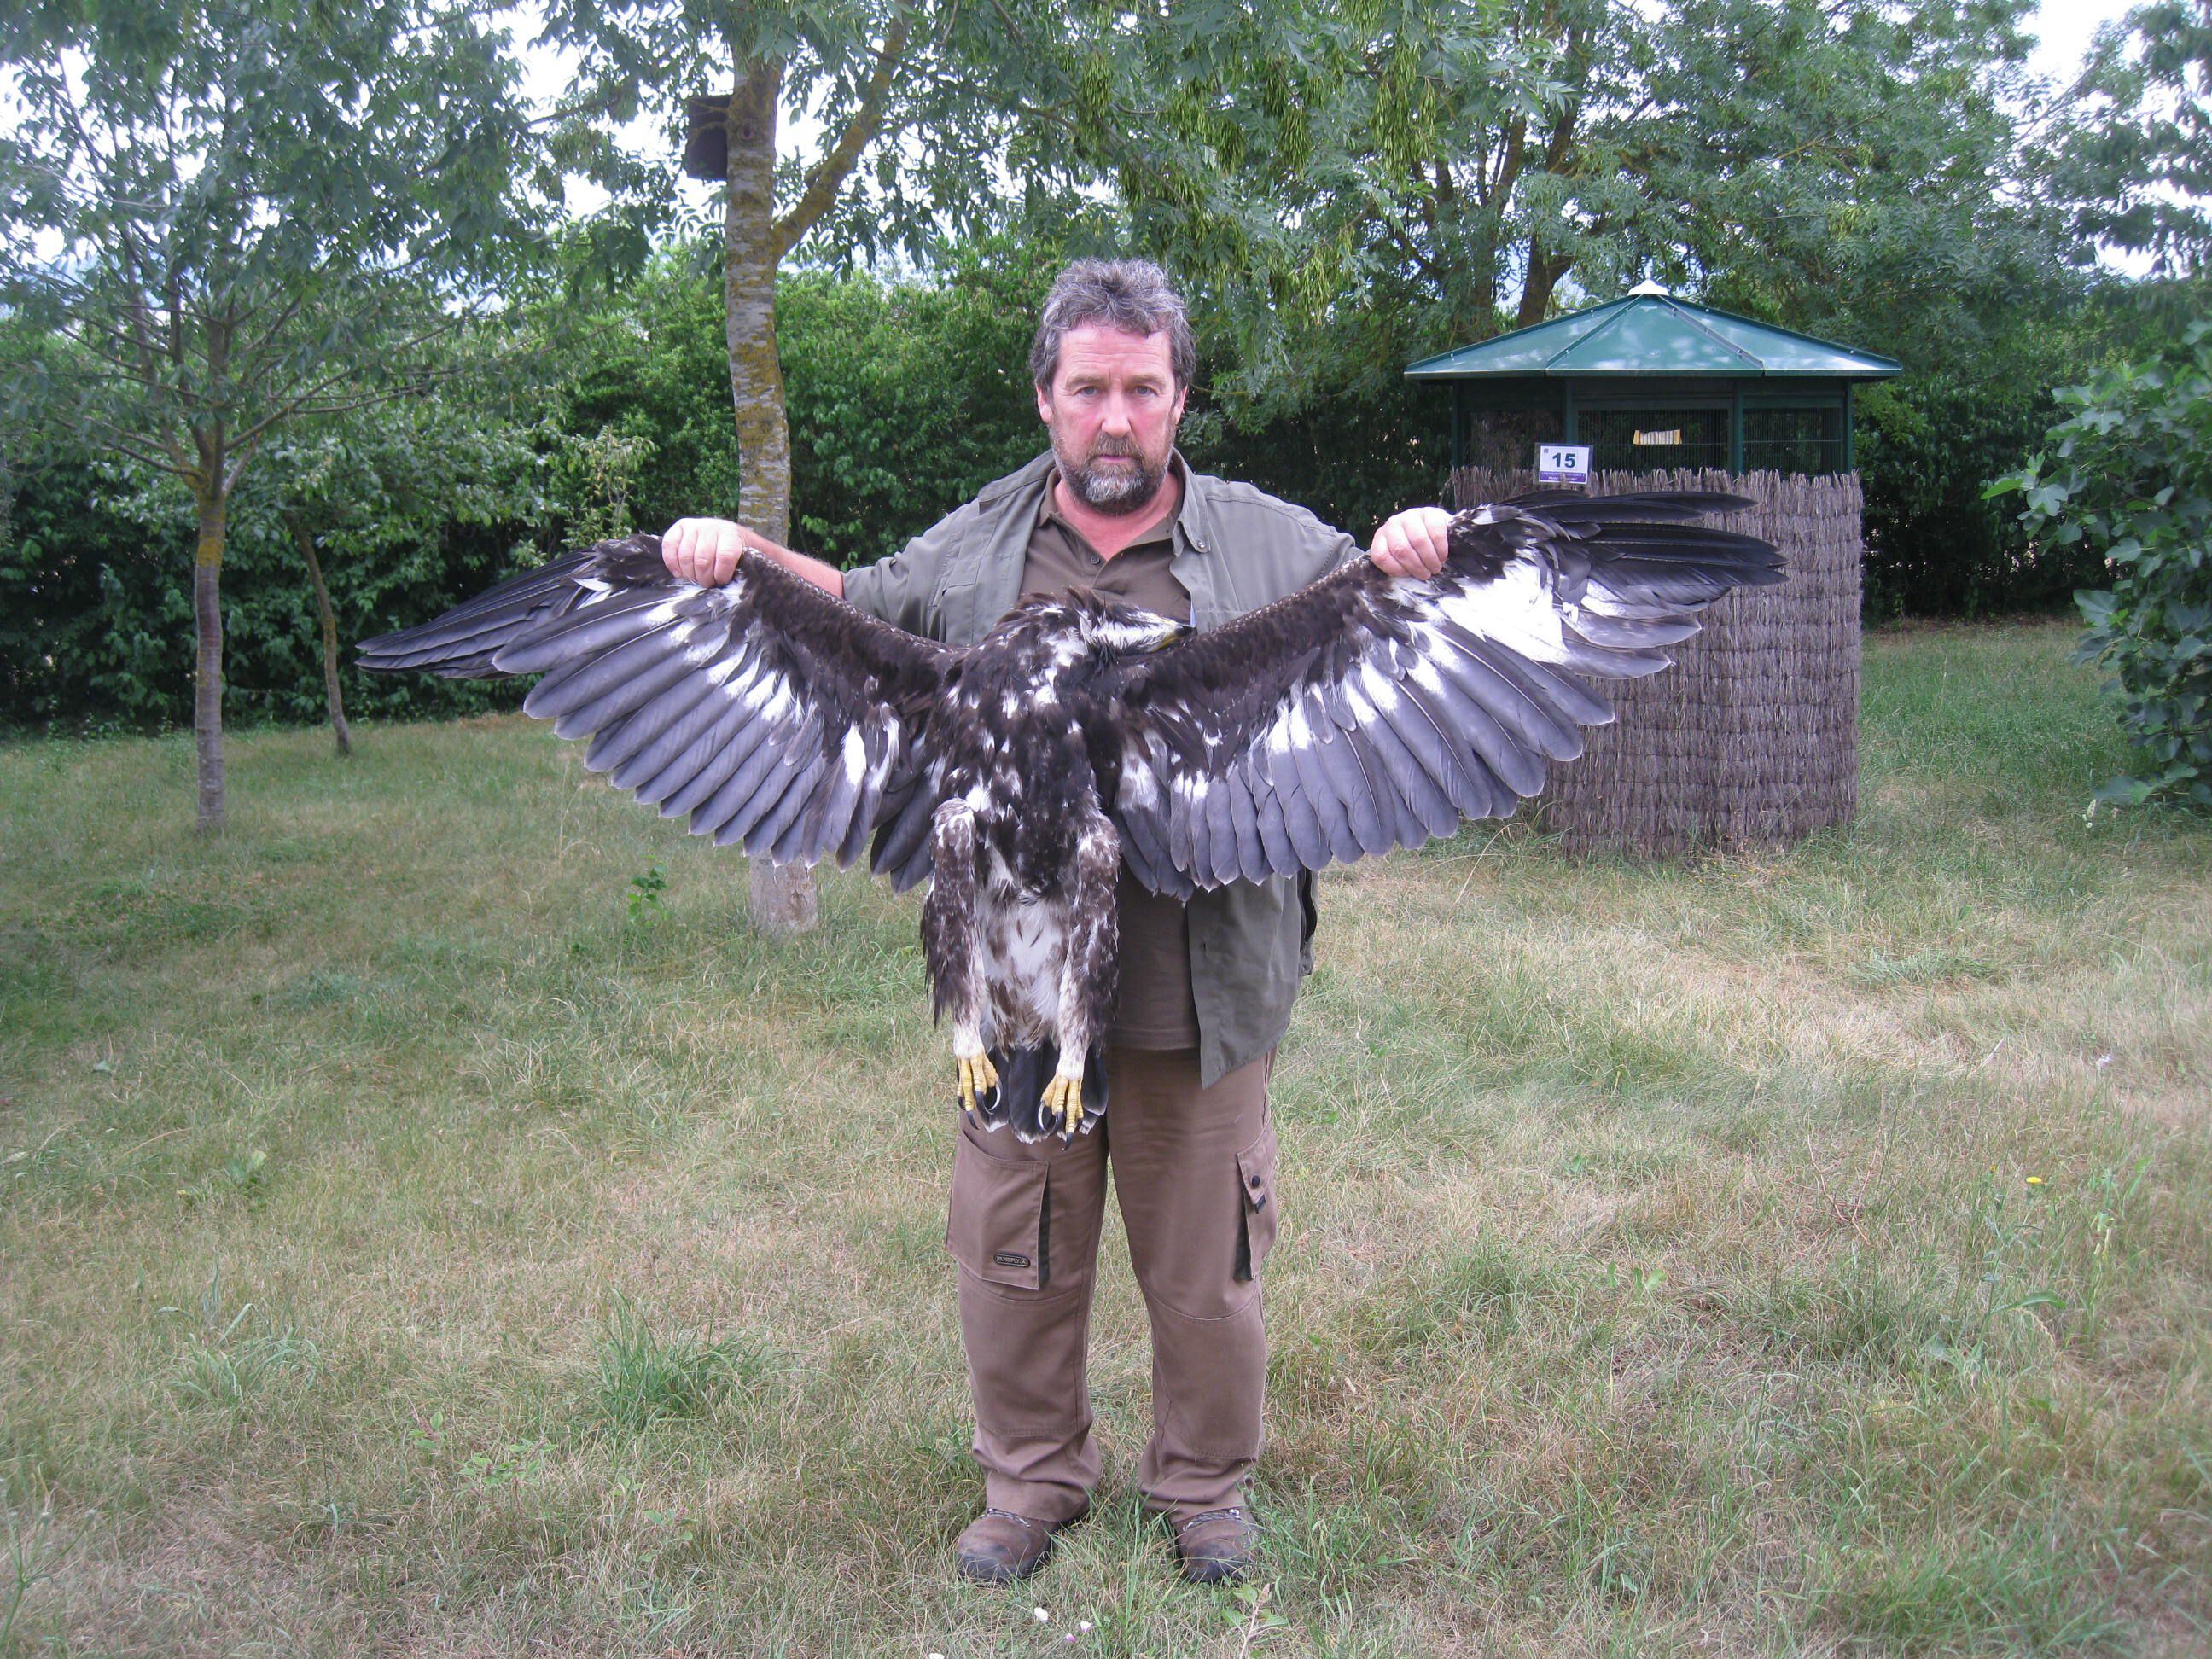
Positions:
{"x": 1133, "y": 296}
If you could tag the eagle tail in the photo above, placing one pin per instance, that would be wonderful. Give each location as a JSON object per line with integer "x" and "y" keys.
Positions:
{"x": 1023, "y": 1073}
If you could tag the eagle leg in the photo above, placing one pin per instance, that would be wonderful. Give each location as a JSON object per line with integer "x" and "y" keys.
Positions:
{"x": 951, "y": 944}
{"x": 979, "y": 1079}
{"x": 1086, "y": 974}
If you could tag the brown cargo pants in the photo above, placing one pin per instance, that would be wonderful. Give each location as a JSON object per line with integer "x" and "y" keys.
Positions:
{"x": 1194, "y": 1173}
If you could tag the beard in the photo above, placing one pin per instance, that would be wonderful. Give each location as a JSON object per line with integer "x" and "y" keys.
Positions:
{"x": 1113, "y": 489}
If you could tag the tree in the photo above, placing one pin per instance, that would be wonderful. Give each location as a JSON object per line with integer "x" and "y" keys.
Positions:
{"x": 242, "y": 214}
{"x": 1397, "y": 177}
{"x": 904, "y": 396}
{"x": 370, "y": 486}
{"x": 2133, "y": 160}
{"x": 938, "y": 92}
{"x": 1352, "y": 187}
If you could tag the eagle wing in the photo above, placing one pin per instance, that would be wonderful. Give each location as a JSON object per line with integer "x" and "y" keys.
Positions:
{"x": 1365, "y": 712}
{"x": 773, "y": 713}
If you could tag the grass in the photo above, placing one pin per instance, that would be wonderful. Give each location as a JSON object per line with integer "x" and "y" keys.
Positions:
{"x": 431, "y": 1221}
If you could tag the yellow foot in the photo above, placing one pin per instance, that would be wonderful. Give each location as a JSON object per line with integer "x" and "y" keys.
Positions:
{"x": 1063, "y": 1099}
{"x": 978, "y": 1077}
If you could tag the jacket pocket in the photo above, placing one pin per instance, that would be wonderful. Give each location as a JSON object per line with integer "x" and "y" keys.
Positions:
{"x": 995, "y": 1225}
{"x": 1255, "y": 1174}
{"x": 959, "y": 594}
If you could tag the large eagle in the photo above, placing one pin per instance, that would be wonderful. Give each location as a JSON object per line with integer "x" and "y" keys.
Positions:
{"x": 1361, "y": 713}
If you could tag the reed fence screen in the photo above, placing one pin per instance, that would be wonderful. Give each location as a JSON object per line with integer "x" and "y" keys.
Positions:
{"x": 1752, "y": 737}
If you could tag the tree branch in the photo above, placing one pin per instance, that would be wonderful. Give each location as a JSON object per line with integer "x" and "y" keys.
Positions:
{"x": 249, "y": 445}
{"x": 253, "y": 352}
{"x": 835, "y": 167}
{"x": 1498, "y": 187}
{"x": 88, "y": 322}
{"x": 1411, "y": 250}
{"x": 120, "y": 441}
{"x": 302, "y": 401}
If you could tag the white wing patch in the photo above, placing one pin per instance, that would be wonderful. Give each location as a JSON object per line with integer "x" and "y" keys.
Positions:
{"x": 1517, "y": 610}
{"x": 1338, "y": 723}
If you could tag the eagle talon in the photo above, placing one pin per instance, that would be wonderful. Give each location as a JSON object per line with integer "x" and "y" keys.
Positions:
{"x": 978, "y": 1077}
{"x": 1063, "y": 1099}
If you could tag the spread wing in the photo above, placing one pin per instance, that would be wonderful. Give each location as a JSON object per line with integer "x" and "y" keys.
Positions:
{"x": 1365, "y": 712}
{"x": 771, "y": 713}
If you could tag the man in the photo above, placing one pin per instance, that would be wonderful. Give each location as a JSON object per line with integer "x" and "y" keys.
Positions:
{"x": 1206, "y": 992}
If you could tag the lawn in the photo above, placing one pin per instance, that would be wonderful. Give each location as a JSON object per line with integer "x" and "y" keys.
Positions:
{"x": 430, "y": 1222}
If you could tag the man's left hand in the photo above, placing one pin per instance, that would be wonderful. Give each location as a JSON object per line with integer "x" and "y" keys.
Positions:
{"x": 1412, "y": 543}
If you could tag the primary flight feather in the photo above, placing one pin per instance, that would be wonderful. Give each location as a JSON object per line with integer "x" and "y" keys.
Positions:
{"x": 1360, "y": 712}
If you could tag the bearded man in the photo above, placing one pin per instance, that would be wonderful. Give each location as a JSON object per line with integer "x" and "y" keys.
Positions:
{"x": 1206, "y": 989}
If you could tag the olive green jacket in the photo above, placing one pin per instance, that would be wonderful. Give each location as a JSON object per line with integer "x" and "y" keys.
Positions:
{"x": 1236, "y": 548}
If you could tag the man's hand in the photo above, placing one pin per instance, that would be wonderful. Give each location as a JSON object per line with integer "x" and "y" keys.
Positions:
{"x": 1412, "y": 543}
{"x": 703, "y": 550}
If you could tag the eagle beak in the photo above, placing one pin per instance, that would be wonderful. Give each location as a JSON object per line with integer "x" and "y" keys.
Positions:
{"x": 1175, "y": 635}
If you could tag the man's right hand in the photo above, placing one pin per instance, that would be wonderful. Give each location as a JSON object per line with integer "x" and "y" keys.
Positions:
{"x": 703, "y": 550}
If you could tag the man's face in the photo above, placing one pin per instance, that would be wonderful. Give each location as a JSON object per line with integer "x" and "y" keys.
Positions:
{"x": 1112, "y": 408}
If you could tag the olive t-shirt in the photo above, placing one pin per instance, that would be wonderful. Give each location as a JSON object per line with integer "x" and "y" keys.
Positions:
{"x": 1154, "y": 1008}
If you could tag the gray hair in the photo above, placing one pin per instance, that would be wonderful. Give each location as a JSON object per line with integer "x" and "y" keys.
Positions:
{"x": 1133, "y": 296}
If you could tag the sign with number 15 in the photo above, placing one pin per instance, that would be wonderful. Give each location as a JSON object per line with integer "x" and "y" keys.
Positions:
{"x": 1563, "y": 464}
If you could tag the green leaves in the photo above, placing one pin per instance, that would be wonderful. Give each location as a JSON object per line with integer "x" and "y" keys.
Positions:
{"x": 2132, "y": 159}
{"x": 2129, "y": 473}
{"x": 985, "y": 101}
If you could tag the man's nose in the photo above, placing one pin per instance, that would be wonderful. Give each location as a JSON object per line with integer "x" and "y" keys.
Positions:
{"x": 1117, "y": 414}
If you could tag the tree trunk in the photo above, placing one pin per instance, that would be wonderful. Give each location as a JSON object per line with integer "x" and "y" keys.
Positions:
{"x": 332, "y": 694}
{"x": 782, "y": 900}
{"x": 1545, "y": 270}
{"x": 207, "y": 683}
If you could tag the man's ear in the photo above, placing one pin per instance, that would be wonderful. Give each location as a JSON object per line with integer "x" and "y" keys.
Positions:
{"x": 1044, "y": 404}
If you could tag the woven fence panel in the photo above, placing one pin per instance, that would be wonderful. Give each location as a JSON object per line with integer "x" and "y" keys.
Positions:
{"x": 1752, "y": 737}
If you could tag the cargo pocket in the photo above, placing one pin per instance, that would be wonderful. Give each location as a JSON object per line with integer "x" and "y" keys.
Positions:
{"x": 995, "y": 1226}
{"x": 1255, "y": 1174}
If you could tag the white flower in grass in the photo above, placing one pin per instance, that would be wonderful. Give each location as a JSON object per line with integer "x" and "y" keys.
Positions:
{"x": 1041, "y": 1615}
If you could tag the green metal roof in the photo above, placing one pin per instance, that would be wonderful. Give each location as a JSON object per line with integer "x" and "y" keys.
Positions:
{"x": 1651, "y": 333}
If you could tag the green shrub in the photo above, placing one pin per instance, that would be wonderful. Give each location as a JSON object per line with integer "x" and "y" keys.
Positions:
{"x": 2129, "y": 473}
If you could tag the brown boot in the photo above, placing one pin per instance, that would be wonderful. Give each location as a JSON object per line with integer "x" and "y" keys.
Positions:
{"x": 1001, "y": 1546}
{"x": 1216, "y": 1546}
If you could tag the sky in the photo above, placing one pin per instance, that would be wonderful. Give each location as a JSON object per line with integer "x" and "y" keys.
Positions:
{"x": 2063, "y": 30}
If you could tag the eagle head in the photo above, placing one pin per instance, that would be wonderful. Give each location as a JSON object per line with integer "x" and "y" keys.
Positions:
{"x": 1110, "y": 628}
